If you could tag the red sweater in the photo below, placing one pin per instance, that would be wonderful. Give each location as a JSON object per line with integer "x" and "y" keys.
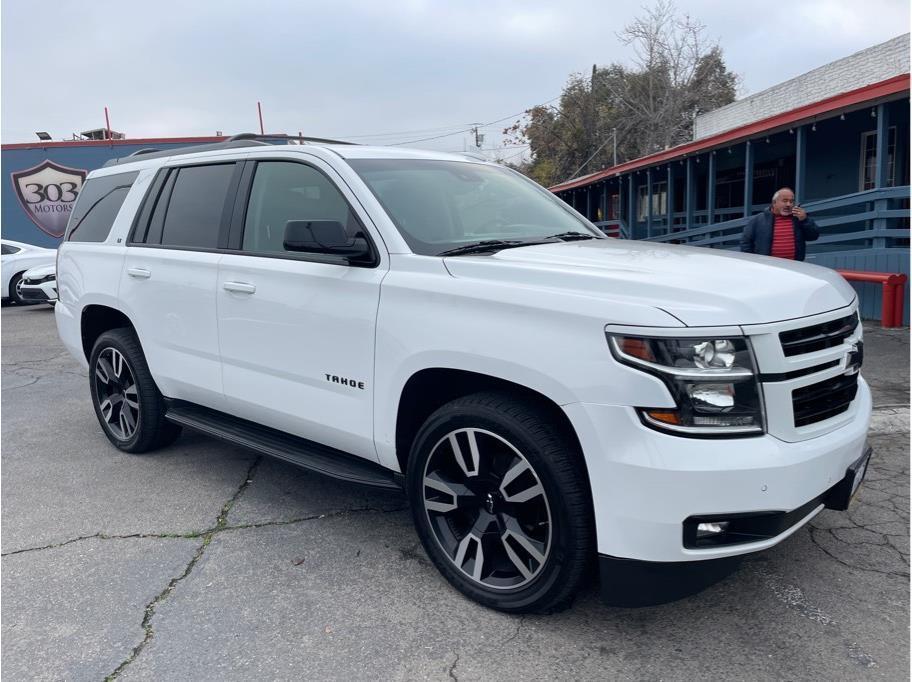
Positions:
{"x": 783, "y": 237}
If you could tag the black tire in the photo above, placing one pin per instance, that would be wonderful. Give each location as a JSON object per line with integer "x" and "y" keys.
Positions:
{"x": 129, "y": 396}
{"x": 14, "y": 296}
{"x": 534, "y": 531}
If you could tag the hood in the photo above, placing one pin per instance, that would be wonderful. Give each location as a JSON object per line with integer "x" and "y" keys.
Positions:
{"x": 39, "y": 271}
{"x": 699, "y": 286}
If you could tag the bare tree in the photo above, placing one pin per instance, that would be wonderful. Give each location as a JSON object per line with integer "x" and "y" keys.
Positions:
{"x": 676, "y": 73}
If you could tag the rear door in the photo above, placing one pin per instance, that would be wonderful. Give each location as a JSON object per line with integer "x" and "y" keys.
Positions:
{"x": 296, "y": 330}
{"x": 169, "y": 279}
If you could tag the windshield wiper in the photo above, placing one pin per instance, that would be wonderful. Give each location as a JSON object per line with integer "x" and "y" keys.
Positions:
{"x": 572, "y": 236}
{"x": 486, "y": 245}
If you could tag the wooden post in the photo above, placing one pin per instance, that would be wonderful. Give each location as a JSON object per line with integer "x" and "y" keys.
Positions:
{"x": 648, "y": 203}
{"x": 689, "y": 196}
{"x": 800, "y": 162}
{"x": 711, "y": 190}
{"x": 748, "y": 178}
{"x": 881, "y": 170}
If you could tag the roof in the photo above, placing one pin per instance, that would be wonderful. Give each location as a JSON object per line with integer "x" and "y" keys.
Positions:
{"x": 142, "y": 161}
{"x": 876, "y": 91}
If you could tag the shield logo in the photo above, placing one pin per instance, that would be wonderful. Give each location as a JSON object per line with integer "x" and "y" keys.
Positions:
{"x": 47, "y": 192}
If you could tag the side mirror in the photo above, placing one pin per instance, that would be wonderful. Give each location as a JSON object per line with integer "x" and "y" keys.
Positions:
{"x": 324, "y": 236}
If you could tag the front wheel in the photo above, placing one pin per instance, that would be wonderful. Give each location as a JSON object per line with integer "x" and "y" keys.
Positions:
{"x": 15, "y": 285}
{"x": 127, "y": 402}
{"x": 501, "y": 502}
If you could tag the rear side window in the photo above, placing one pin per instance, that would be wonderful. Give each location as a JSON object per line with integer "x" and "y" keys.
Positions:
{"x": 10, "y": 250}
{"x": 97, "y": 206}
{"x": 194, "y": 214}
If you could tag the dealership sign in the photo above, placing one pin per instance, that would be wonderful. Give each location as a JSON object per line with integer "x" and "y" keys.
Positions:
{"x": 47, "y": 192}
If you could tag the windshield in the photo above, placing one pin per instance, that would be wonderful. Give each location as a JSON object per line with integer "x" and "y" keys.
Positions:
{"x": 442, "y": 205}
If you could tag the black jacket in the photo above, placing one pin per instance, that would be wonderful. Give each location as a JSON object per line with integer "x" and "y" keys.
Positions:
{"x": 758, "y": 234}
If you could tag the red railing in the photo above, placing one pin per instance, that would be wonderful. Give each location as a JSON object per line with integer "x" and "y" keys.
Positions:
{"x": 891, "y": 310}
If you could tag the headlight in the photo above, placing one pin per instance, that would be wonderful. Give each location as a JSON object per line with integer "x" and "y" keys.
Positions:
{"x": 713, "y": 382}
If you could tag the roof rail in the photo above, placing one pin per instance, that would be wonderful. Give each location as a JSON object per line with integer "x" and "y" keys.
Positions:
{"x": 239, "y": 140}
{"x": 179, "y": 151}
{"x": 299, "y": 138}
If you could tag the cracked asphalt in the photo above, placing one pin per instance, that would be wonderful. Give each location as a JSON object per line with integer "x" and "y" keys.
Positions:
{"x": 205, "y": 562}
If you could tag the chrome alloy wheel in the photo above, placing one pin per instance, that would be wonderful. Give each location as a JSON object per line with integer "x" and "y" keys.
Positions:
{"x": 118, "y": 399}
{"x": 487, "y": 508}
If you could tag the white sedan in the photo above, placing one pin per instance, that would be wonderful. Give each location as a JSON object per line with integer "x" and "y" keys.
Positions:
{"x": 17, "y": 257}
{"x": 39, "y": 285}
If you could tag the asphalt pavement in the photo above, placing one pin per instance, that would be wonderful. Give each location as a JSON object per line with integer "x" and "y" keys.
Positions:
{"x": 205, "y": 562}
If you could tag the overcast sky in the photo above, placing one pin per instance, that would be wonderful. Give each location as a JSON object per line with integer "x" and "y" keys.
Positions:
{"x": 378, "y": 72}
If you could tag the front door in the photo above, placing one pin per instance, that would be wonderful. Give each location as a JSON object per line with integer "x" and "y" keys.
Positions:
{"x": 296, "y": 330}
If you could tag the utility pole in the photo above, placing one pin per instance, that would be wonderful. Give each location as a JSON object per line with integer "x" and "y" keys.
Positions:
{"x": 479, "y": 138}
{"x": 614, "y": 138}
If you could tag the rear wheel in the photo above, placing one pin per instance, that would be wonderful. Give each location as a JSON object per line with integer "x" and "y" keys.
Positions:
{"x": 127, "y": 402}
{"x": 501, "y": 503}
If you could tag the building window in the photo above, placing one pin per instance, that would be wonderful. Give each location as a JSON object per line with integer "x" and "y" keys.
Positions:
{"x": 869, "y": 159}
{"x": 659, "y": 200}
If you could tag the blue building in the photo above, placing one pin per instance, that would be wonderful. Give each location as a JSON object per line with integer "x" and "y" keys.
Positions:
{"x": 46, "y": 177}
{"x": 838, "y": 135}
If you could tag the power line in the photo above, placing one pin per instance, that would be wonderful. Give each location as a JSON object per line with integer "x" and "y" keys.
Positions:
{"x": 480, "y": 125}
{"x": 461, "y": 128}
{"x": 406, "y": 132}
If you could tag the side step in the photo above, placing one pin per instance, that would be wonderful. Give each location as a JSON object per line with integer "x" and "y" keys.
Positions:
{"x": 267, "y": 441}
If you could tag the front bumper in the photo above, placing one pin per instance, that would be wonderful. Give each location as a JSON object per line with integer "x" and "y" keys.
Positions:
{"x": 629, "y": 582}
{"x": 645, "y": 484}
{"x": 45, "y": 292}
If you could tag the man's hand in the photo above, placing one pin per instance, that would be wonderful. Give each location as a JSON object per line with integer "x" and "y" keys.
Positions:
{"x": 799, "y": 213}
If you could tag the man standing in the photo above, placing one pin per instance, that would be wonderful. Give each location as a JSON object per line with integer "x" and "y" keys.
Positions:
{"x": 781, "y": 230}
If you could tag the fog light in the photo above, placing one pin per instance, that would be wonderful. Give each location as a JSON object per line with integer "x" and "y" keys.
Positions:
{"x": 705, "y": 530}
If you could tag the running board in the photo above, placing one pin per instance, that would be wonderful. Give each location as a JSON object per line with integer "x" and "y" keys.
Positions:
{"x": 267, "y": 441}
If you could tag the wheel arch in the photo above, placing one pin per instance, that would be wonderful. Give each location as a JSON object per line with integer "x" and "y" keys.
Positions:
{"x": 428, "y": 389}
{"x": 95, "y": 320}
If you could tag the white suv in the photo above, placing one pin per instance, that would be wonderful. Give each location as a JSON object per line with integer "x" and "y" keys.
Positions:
{"x": 544, "y": 395}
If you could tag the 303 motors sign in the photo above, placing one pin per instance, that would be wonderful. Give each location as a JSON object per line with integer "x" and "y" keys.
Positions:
{"x": 47, "y": 192}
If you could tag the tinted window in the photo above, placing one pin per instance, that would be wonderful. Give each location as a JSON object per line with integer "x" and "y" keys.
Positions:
{"x": 284, "y": 191}
{"x": 194, "y": 213}
{"x": 9, "y": 250}
{"x": 96, "y": 224}
{"x": 97, "y": 207}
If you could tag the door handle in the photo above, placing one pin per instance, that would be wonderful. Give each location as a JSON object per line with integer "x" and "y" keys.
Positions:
{"x": 139, "y": 273}
{"x": 239, "y": 287}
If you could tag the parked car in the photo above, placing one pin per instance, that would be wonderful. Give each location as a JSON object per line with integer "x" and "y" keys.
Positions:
{"x": 39, "y": 285}
{"x": 544, "y": 395}
{"x": 16, "y": 258}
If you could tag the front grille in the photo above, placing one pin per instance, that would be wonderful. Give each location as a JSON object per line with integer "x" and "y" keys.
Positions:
{"x": 817, "y": 402}
{"x": 818, "y": 336}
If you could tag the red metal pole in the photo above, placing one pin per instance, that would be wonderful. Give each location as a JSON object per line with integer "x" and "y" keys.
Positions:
{"x": 898, "y": 302}
{"x": 107, "y": 125}
{"x": 260, "y": 112}
{"x": 888, "y": 305}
